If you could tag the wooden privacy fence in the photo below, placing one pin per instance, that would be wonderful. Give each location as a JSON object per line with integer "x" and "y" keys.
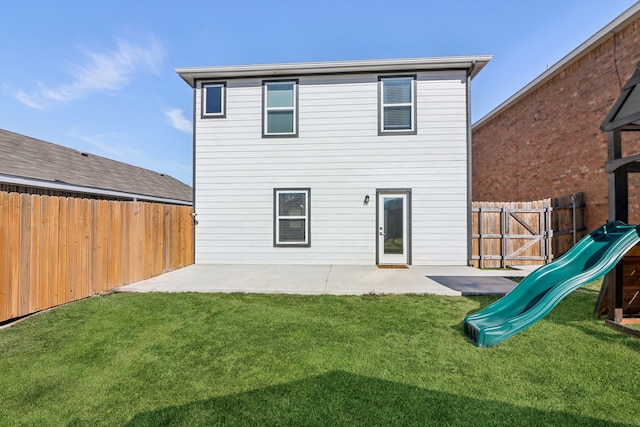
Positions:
{"x": 512, "y": 233}
{"x": 58, "y": 249}
{"x": 568, "y": 222}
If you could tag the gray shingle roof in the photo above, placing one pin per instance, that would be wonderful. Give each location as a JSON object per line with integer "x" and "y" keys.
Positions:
{"x": 26, "y": 157}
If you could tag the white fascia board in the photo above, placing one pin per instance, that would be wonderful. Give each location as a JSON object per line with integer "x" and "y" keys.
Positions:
{"x": 598, "y": 38}
{"x": 61, "y": 186}
{"x": 472, "y": 63}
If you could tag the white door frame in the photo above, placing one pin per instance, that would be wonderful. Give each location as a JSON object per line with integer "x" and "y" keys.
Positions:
{"x": 402, "y": 255}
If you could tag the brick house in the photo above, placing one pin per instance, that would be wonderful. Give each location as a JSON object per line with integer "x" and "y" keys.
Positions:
{"x": 545, "y": 140}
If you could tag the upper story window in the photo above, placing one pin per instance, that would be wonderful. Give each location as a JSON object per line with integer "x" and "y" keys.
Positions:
{"x": 397, "y": 105}
{"x": 280, "y": 115}
{"x": 214, "y": 100}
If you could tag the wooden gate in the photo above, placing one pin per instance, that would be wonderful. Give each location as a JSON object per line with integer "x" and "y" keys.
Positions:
{"x": 510, "y": 234}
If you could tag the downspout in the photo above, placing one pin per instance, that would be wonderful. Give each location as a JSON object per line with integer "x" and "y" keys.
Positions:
{"x": 469, "y": 167}
{"x": 193, "y": 172}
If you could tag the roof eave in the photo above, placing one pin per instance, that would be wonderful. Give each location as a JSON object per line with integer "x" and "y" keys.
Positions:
{"x": 474, "y": 64}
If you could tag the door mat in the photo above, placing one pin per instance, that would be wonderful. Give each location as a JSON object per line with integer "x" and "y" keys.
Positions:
{"x": 476, "y": 285}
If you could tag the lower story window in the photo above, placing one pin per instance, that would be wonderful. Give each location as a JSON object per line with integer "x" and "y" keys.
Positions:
{"x": 291, "y": 216}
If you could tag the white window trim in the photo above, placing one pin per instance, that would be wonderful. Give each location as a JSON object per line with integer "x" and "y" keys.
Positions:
{"x": 265, "y": 109}
{"x": 223, "y": 100}
{"x": 277, "y": 217}
{"x": 382, "y": 105}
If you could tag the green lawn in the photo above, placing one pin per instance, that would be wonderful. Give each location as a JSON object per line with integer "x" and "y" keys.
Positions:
{"x": 211, "y": 359}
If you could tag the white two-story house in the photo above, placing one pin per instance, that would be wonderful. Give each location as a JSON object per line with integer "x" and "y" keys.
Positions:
{"x": 351, "y": 162}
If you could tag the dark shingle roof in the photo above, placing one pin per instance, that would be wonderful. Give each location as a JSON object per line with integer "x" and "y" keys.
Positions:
{"x": 26, "y": 157}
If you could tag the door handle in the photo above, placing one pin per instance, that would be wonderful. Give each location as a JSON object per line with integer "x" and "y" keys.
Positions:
{"x": 382, "y": 233}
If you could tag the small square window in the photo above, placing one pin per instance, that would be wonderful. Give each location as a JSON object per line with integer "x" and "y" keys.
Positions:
{"x": 280, "y": 116}
{"x": 291, "y": 217}
{"x": 213, "y": 100}
{"x": 397, "y": 105}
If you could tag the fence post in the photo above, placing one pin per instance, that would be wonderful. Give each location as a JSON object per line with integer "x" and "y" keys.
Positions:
{"x": 481, "y": 238}
{"x": 549, "y": 234}
{"x": 573, "y": 211}
{"x": 505, "y": 236}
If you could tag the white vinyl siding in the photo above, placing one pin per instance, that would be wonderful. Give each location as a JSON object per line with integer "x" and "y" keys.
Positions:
{"x": 340, "y": 156}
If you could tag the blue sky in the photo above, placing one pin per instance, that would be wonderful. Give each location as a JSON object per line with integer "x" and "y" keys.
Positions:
{"x": 98, "y": 76}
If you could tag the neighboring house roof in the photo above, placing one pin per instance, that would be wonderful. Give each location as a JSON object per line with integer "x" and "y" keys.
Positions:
{"x": 594, "y": 41}
{"x": 471, "y": 63}
{"x": 31, "y": 162}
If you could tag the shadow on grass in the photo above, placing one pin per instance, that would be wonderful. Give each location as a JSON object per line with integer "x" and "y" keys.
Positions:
{"x": 341, "y": 398}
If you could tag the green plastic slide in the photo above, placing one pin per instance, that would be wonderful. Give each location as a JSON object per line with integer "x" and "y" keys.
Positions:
{"x": 538, "y": 293}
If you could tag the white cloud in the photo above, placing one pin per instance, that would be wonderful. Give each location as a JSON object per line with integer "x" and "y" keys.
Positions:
{"x": 112, "y": 145}
{"x": 28, "y": 100}
{"x": 101, "y": 72}
{"x": 178, "y": 120}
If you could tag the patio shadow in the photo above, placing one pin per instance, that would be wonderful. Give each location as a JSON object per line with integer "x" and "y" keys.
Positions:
{"x": 342, "y": 398}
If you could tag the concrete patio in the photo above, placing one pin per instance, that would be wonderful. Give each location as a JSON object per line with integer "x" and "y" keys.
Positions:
{"x": 315, "y": 279}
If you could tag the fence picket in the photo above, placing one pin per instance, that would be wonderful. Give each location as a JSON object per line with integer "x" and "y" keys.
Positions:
{"x": 24, "y": 255}
{"x": 4, "y": 254}
{"x": 136, "y": 240}
{"x": 34, "y": 254}
{"x": 84, "y": 219}
{"x": 74, "y": 251}
{"x": 115, "y": 253}
{"x": 14, "y": 255}
{"x": 42, "y": 231}
{"x": 62, "y": 250}
{"x": 125, "y": 244}
{"x": 53, "y": 251}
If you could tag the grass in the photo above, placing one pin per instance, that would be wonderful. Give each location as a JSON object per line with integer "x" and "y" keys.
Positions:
{"x": 215, "y": 359}
{"x": 634, "y": 326}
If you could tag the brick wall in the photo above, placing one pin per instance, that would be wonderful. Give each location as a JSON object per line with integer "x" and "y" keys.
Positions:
{"x": 548, "y": 144}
